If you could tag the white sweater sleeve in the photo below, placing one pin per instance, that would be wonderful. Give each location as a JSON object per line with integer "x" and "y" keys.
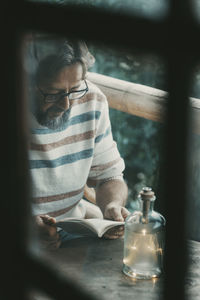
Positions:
{"x": 107, "y": 163}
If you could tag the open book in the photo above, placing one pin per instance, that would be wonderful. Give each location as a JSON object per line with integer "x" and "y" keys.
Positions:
{"x": 88, "y": 227}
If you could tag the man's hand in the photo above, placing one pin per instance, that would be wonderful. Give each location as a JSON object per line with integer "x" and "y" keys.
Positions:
{"x": 47, "y": 232}
{"x": 111, "y": 198}
{"x": 116, "y": 213}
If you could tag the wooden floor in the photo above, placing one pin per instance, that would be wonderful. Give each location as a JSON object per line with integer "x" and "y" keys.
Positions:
{"x": 96, "y": 266}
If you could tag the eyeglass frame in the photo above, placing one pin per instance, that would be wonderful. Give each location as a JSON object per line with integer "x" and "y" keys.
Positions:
{"x": 62, "y": 95}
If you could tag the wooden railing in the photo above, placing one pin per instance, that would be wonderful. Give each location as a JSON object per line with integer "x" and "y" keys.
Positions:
{"x": 140, "y": 100}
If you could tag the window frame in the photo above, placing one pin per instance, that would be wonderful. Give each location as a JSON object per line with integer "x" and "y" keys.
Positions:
{"x": 158, "y": 36}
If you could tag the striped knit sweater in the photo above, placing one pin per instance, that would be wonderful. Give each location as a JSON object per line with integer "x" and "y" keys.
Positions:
{"x": 62, "y": 161}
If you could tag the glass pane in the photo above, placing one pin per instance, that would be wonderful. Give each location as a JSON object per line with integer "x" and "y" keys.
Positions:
{"x": 194, "y": 148}
{"x": 196, "y": 9}
{"x": 193, "y": 203}
{"x": 35, "y": 295}
{"x": 70, "y": 143}
{"x": 146, "y": 8}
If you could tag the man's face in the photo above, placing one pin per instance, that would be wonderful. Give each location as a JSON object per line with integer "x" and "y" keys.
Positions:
{"x": 55, "y": 115}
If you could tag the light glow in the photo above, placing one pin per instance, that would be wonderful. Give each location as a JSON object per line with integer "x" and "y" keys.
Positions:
{"x": 160, "y": 250}
{"x": 151, "y": 248}
{"x": 144, "y": 231}
{"x": 134, "y": 248}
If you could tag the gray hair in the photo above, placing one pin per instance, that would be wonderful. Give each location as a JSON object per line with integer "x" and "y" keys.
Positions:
{"x": 47, "y": 56}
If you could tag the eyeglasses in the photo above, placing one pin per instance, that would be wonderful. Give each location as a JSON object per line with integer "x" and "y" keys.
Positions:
{"x": 52, "y": 98}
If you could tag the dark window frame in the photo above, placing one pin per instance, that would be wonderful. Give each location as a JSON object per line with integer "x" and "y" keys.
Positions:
{"x": 174, "y": 39}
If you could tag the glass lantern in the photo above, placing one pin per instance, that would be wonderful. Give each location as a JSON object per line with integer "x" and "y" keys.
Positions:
{"x": 144, "y": 240}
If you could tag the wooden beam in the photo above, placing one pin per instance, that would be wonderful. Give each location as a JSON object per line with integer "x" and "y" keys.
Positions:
{"x": 140, "y": 100}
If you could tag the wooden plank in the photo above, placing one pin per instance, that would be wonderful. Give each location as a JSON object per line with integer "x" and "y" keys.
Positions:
{"x": 96, "y": 266}
{"x": 140, "y": 100}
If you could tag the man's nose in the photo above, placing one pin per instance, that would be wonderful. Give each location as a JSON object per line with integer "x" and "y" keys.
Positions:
{"x": 64, "y": 103}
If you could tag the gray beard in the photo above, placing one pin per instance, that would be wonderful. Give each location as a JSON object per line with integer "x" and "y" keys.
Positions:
{"x": 52, "y": 123}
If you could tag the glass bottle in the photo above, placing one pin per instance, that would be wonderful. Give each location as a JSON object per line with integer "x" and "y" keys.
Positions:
{"x": 144, "y": 240}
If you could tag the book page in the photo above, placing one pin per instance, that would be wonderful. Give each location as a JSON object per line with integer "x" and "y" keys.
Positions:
{"x": 102, "y": 225}
{"x": 87, "y": 226}
{"x": 76, "y": 227}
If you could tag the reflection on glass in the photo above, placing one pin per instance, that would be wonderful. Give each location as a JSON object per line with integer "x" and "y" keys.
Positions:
{"x": 71, "y": 143}
{"x": 155, "y": 9}
{"x": 194, "y": 152}
{"x": 35, "y": 295}
{"x": 193, "y": 186}
{"x": 195, "y": 5}
{"x": 53, "y": 101}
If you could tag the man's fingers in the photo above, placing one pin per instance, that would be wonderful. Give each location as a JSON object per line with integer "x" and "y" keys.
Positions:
{"x": 110, "y": 237}
{"x": 41, "y": 220}
{"x": 114, "y": 233}
{"x": 47, "y": 233}
{"x": 45, "y": 227}
{"x": 117, "y": 216}
{"x": 117, "y": 213}
{"x": 115, "y": 230}
{"x": 114, "y": 213}
{"x": 125, "y": 212}
{"x": 48, "y": 220}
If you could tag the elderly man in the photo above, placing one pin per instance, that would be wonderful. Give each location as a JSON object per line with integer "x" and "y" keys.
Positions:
{"x": 71, "y": 143}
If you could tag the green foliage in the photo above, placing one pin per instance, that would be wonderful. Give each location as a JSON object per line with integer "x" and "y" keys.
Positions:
{"x": 139, "y": 140}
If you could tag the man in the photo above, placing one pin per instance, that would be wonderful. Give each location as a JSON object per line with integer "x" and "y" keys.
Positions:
{"x": 71, "y": 143}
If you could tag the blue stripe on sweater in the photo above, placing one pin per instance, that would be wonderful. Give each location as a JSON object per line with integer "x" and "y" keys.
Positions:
{"x": 101, "y": 136}
{"x": 91, "y": 115}
{"x": 63, "y": 160}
